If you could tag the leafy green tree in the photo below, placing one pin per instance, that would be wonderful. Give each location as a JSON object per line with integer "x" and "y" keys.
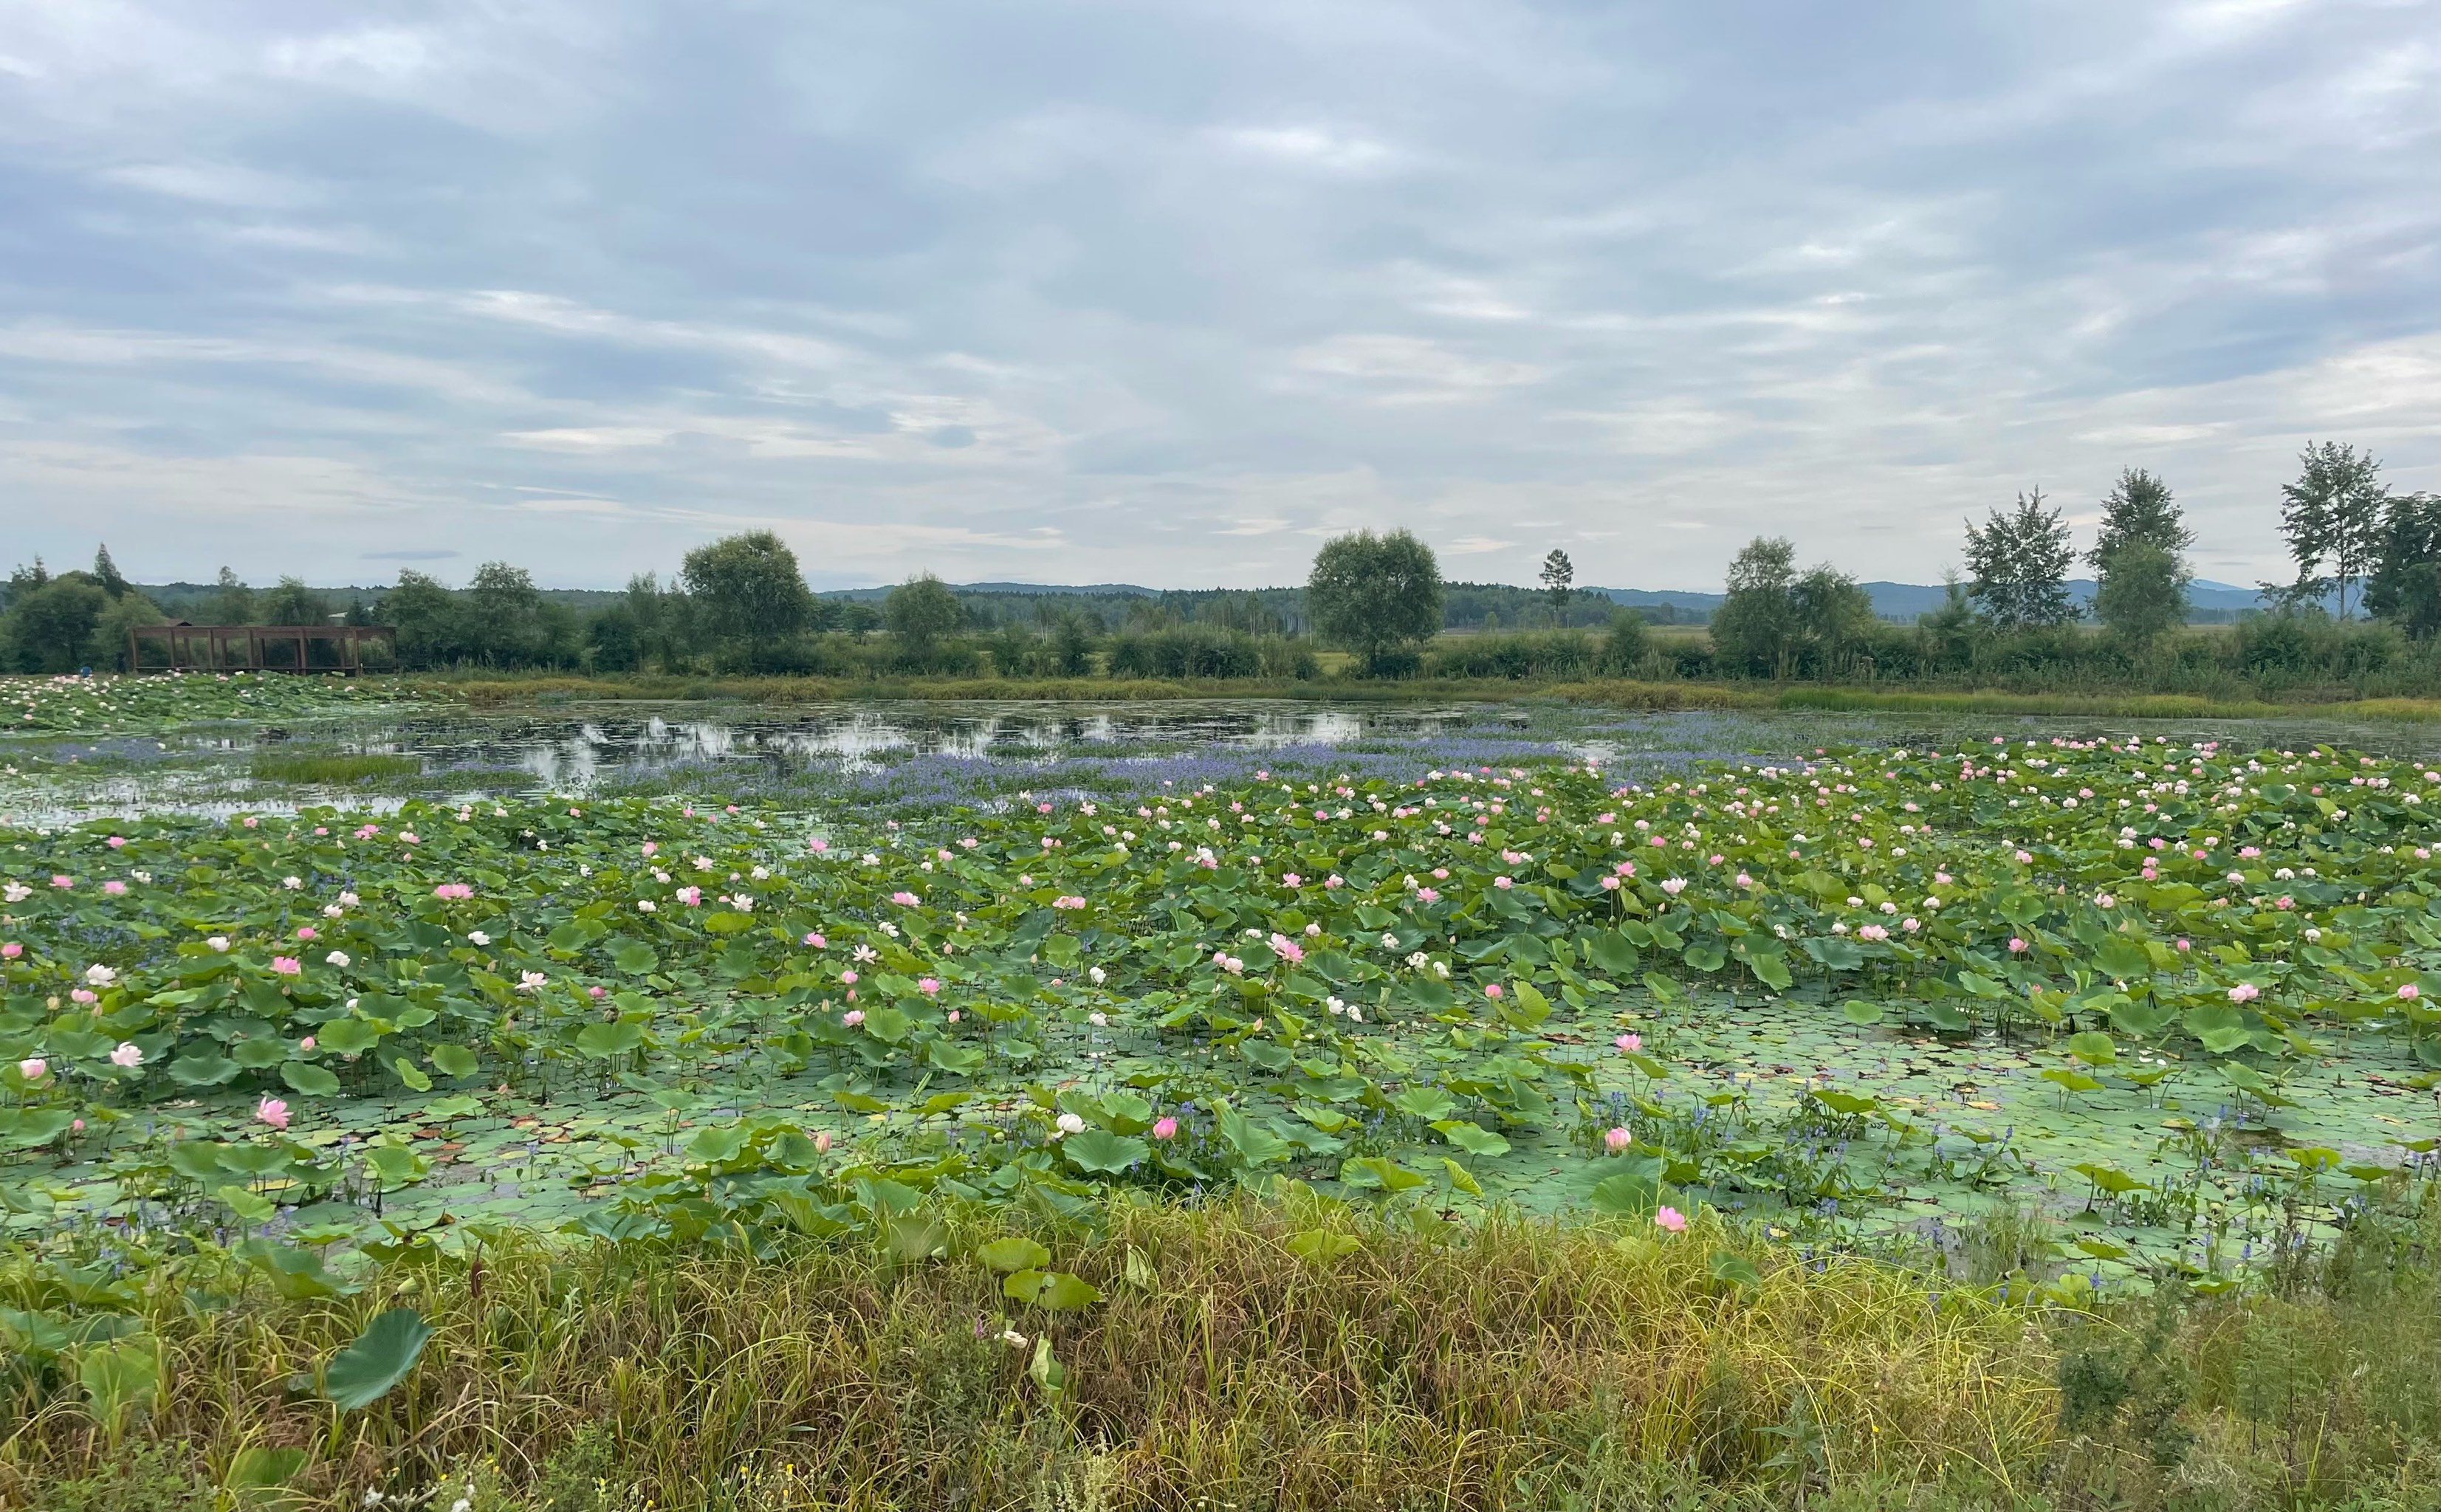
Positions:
{"x": 2332, "y": 513}
{"x": 2143, "y": 591}
{"x": 1754, "y": 630}
{"x": 614, "y": 640}
{"x": 1834, "y": 618}
{"x": 922, "y": 612}
{"x": 502, "y": 615}
{"x": 747, "y": 591}
{"x": 1950, "y": 631}
{"x": 1073, "y": 636}
{"x": 2139, "y": 556}
{"x": 1558, "y": 573}
{"x": 50, "y": 628}
{"x": 2017, "y": 566}
{"x": 2140, "y": 508}
{"x": 233, "y": 603}
{"x": 1624, "y": 646}
{"x": 2405, "y": 588}
{"x": 108, "y": 647}
{"x": 427, "y": 616}
{"x": 22, "y": 580}
{"x": 293, "y": 603}
{"x": 1375, "y": 594}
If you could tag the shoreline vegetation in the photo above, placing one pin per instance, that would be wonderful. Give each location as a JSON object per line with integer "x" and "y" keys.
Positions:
{"x": 492, "y": 689}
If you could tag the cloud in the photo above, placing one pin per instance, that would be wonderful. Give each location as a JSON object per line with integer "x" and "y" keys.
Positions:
{"x": 439, "y": 554}
{"x": 1169, "y": 296}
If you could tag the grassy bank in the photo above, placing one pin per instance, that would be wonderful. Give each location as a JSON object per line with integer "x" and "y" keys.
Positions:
{"x": 1251, "y": 1356}
{"x": 1613, "y": 693}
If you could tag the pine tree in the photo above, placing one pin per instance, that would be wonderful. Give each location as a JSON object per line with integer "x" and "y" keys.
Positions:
{"x": 105, "y": 573}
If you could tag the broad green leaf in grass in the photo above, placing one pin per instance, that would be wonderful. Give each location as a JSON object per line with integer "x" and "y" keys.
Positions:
{"x": 452, "y": 1060}
{"x": 1321, "y": 1246}
{"x": 1013, "y": 1252}
{"x": 381, "y": 1357}
{"x": 1733, "y": 1267}
{"x": 120, "y": 1376}
{"x": 1860, "y": 1013}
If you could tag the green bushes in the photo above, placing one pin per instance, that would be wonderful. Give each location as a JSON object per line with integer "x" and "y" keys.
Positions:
{"x": 1520, "y": 654}
{"x": 1207, "y": 651}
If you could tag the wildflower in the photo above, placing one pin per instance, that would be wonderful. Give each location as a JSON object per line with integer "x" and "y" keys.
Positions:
{"x": 2017, "y": 945}
{"x": 822, "y": 1141}
{"x": 848, "y": 977}
{"x": 1098, "y": 1019}
{"x": 1427, "y": 895}
{"x": 114, "y": 887}
{"x": 1502, "y": 883}
{"x": 306, "y": 1044}
{"x": 1491, "y": 990}
{"x": 127, "y": 1054}
{"x": 905, "y": 899}
{"x": 286, "y": 966}
{"x": 478, "y": 937}
{"x": 453, "y": 889}
{"x": 1165, "y": 1128}
{"x": 217, "y": 943}
{"x": 33, "y": 1068}
{"x": 1671, "y": 1219}
{"x": 1096, "y": 974}
{"x": 532, "y": 981}
{"x": 273, "y": 1111}
{"x": 1617, "y": 1139}
{"x": 100, "y": 975}
{"x": 692, "y": 898}
{"x": 929, "y": 986}
{"x": 815, "y": 940}
{"x": 2103, "y": 900}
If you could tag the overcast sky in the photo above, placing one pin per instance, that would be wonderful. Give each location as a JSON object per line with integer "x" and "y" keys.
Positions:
{"x": 1169, "y": 293}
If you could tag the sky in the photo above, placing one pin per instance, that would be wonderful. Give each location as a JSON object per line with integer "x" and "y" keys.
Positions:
{"x": 1169, "y": 293}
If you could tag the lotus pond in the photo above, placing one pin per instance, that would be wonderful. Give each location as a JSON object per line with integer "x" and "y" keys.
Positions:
{"x": 797, "y": 976}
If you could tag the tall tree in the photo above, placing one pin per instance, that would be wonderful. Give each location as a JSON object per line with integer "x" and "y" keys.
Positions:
{"x": 922, "y": 612}
{"x": 105, "y": 573}
{"x": 748, "y": 590}
{"x": 1558, "y": 573}
{"x": 1375, "y": 594}
{"x": 1754, "y": 630}
{"x": 2332, "y": 514}
{"x": 502, "y": 614}
{"x": 2405, "y": 587}
{"x": 233, "y": 603}
{"x": 2139, "y": 556}
{"x": 2140, "y": 508}
{"x": 429, "y": 621}
{"x": 1834, "y": 618}
{"x": 2017, "y": 566}
{"x": 293, "y": 603}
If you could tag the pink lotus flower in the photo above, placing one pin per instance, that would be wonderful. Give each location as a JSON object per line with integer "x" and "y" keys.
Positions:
{"x": 2244, "y": 992}
{"x": 817, "y": 845}
{"x": 305, "y": 932}
{"x": 929, "y": 986}
{"x": 1671, "y": 1219}
{"x": 127, "y": 1054}
{"x": 1610, "y": 884}
{"x": 1491, "y": 990}
{"x": 822, "y": 1142}
{"x": 2409, "y": 991}
{"x": 1616, "y": 1140}
{"x": 273, "y": 1111}
{"x": 1502, "y": 883}
{"x": 851, "y": 1017}
{"x": 1628, "y": 1042}
{"x": 83, "y": 995}
{"x": 905, "y": 899}
{"x": 116, "y": 841}
{"x": 61, "y": 879}
{"x": 692, "y": 898}
{"x": 2184, "y": 946}
{"x": 1165, "y": 1128}
{"x": 33, "y": 1068}
{"x": 1292, "y": 880}
{"x": 11, "y": 950}
{"x": 114, "y": 887}
{"x": 286, "y": 966}
{"x": 594, "y": 992}
{"x": 453, "y": 889}
{"x": 815, "y": 940}
{"x": 652, "y": 847}
{"x": 848, "y": 977}
{"x": 2016, "y": 947}
{"x": 306, "y": 1044}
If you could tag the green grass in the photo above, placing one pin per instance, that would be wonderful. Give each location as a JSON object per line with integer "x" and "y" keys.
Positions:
{"x": 1505, "y": 1364}
{"x": 330, "y": 767}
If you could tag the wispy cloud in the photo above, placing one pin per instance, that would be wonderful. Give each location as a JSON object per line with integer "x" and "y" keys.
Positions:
{"x": 1168, "y": 295}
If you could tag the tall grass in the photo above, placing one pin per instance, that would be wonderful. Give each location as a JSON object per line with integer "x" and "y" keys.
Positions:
{"x": 1250, "y": 1354}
